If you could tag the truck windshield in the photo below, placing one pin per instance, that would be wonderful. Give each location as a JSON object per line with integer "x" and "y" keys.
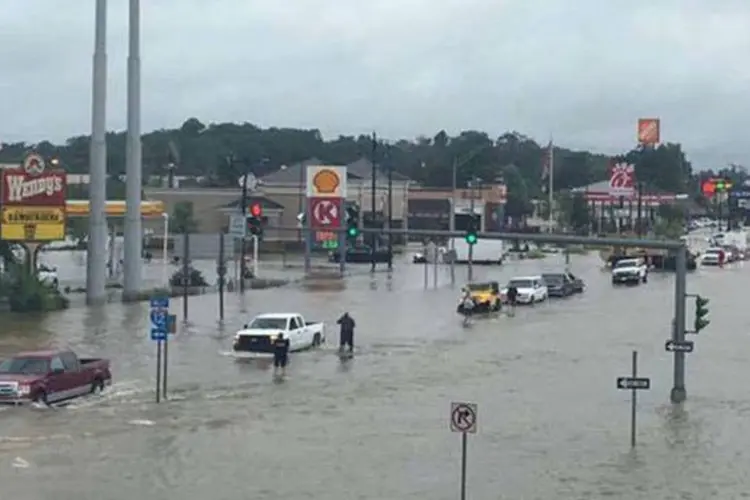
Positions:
{"x": 268, "y": 324}
{"x": 25, "y": 366}
{"x": 521, "y": 284}
{"x": 626, "y": 263}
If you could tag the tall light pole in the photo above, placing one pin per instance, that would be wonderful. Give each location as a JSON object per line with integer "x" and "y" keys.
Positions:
{"x": 133, "y": 159}
{"x": 96, "y": 262}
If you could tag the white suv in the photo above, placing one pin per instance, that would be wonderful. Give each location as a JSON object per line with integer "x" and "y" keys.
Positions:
{"x": 633, "y": 271}
{"x": 531, "y": 289}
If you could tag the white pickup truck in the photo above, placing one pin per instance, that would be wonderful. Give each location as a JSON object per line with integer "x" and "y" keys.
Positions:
{"x": 633, "y": 271}
{"x": 257, "y": 336}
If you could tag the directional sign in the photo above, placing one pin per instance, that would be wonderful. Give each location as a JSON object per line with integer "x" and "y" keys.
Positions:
{"x": 633, "y": 383}
{"x": 684, "y": 346}
{"x": 325, "y": 213}
{"x": 464, "y": 417}
{"x": 158, "y": 319}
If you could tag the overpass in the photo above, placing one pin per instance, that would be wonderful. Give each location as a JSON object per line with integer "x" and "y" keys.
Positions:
{"x": 80, "y": 208}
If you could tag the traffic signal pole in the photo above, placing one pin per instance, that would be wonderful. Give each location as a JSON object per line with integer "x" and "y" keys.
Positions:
{"x": 244, "y": 237}
{"x": 678, "y": 394}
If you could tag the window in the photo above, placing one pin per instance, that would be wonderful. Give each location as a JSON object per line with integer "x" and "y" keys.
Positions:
{"x": 268, "y": 324}
{"x": 70, "y": 361}
{"x": 56, "y": 364}
{"x": 293, "y": 324}
{"x": 25, "y": 366}
{"x": 521, "y": 283}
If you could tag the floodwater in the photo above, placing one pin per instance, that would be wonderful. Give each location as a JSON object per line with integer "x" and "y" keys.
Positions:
{"x": 551, "y": 423}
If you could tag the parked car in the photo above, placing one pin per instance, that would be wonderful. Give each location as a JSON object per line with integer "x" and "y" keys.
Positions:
{"x": 562, "y": 284}
{"x": 51, "y": 377}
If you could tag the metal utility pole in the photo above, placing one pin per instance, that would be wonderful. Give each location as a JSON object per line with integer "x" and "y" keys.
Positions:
{"x": 452, "y": 221}
{"x": 390, "y": 214}
{"x": 470, "y": 269}
{"x": 639, "y": 224}
{"x": 678, "y": 393}
{"x": 96, "y": 261}
{"x": 243, "y": 249}
{"x": 372, "y": 201}
{"x": 133, "y": 160}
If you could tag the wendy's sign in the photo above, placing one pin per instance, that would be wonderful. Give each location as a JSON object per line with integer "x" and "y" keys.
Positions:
{"x": 33, "y": 184}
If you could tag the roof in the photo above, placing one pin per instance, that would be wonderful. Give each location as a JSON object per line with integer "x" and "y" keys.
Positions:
{"x": 277, "y": 315}
{"x": 264, "y": 202}
{"x": 603, "y": 187}
{"x": 518, "y": 278}
{"x": 359, "y": 169}
{"x": 47, "y": 353}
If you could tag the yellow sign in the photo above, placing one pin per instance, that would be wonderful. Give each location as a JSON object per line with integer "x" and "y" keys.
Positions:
{"x": 80, "y": 208}
{"x": 32, "y": 224}
{"x": 324, "y": 181}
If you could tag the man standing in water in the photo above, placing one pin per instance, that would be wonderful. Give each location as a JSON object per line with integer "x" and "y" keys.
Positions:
{"x": 280, "y": 354}
{"x": 346, "y": 338}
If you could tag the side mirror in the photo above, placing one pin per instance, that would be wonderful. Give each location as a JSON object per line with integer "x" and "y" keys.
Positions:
{"x": 244, "y": 326}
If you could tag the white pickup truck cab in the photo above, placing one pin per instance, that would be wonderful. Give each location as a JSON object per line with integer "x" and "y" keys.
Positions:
{"x": 257, "y": 336}
{"x": 633, "y": 271}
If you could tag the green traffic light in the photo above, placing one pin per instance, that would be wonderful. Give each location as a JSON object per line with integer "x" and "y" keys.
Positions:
{"x": 700, "y": 313}
{"x": 471, "y": 238}
{"x": 353, "y": 232}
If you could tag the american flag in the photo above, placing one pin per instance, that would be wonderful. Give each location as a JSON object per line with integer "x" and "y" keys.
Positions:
{"x": 548, "y": 165}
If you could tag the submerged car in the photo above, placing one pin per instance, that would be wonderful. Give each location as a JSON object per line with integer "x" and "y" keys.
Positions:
{"x": 486, "y": 297}
{"x": 531, "y": 289}
{"x": 562, "y": 284}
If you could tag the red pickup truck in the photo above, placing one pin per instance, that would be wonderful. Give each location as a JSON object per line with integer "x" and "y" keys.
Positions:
{"x": 51, "y": 377}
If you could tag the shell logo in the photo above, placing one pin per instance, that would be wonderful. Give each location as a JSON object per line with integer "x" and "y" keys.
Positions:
{"x": 326, "y": 181}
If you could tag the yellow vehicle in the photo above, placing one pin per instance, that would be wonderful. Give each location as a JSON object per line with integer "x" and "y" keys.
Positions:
{"x": 486, "y": 297}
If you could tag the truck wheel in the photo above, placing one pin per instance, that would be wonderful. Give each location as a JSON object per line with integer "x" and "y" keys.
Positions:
{"x": 97, "y": 386}
{"x": 40, "y": 397}
{"x": 316, "y": 340}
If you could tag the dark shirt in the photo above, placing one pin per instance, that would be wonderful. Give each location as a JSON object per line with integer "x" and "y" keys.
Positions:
{"x": 512, "y": 293}
{"x": 347, "y": 324}
{"x": 281, "y": 347}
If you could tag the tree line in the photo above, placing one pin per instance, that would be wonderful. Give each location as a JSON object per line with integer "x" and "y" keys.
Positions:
{"x": 221, "y": 152}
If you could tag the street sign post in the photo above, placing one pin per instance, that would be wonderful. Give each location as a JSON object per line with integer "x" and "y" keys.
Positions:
{"x": 681, "y": 346}
{"x": 237, "y": 226}
{"x": 161, "y": 325}
{"x": 463, "y": 419}
{"x": 634, "y": 383}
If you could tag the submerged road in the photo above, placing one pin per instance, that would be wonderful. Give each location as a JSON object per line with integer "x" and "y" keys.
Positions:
{"x": 551, "y": 423}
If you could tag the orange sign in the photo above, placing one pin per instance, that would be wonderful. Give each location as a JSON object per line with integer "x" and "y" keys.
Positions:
{"x": 648, "y": 131}
{"x": 325, "y": 181}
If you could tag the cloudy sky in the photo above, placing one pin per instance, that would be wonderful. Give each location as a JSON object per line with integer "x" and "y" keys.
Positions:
{"x": 581, "y": 71}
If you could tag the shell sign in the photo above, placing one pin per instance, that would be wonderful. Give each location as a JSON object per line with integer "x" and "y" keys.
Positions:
{"x": 325, "y": 181}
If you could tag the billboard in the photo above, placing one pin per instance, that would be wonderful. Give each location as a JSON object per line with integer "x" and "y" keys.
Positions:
{"x": 32, "y": 201}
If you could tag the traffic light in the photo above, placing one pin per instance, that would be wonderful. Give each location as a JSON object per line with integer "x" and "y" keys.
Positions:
{"x": 352, "y": 222}
{"x": 701, "y": 310}
{"x": 471, "y": 231}
{"x": 255, "y": 220}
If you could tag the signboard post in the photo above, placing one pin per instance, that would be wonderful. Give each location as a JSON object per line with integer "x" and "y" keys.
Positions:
{"x": 634, "y": 384}
{"x": 463, "y": 419}
{"x": 326, "y": 196}
{"x": 161, "y": 325}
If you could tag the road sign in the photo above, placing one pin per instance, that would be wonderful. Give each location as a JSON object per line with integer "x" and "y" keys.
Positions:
{"x": 252, "y": 182}
{"x": 237, "y": 226}
{"x": 158, "y": 319}
{"x": 325, "y": 213}
{"x": 684, "y": 346}
{"x": 159, "y": 302}
{"x": 633, "y": 383}
{"x": 158, "y": 335}
{"x": 464, "y": 417}
{"x": 621, "y": 179}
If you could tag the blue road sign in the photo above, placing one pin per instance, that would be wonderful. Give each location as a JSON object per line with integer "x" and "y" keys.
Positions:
{"x": 159, "y": 302}
{"x": 159, "y": 320}
{"x": 157, "y": 334}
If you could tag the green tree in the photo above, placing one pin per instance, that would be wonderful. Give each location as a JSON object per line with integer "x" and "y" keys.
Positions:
{"x": 183, "y": 220}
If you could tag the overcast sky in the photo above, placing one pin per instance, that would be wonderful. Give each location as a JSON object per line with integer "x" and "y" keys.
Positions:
{"x": 581, "y": 71}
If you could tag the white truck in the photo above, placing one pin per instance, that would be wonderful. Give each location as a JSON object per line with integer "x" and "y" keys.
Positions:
{"x": 258, "y": 335}
{"x": 631, "y": 271}
{"x": 484, "y": 251}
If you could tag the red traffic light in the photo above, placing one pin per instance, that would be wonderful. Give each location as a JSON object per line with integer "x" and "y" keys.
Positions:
{"x": 708, "y": 187}
{"x": 256, "y": 210}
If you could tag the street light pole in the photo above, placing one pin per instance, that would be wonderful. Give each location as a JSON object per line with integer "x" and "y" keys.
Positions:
{"x": 243, "y": 250}
{"x": 96, "y": 261}
{"x": 133, "y": 161}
